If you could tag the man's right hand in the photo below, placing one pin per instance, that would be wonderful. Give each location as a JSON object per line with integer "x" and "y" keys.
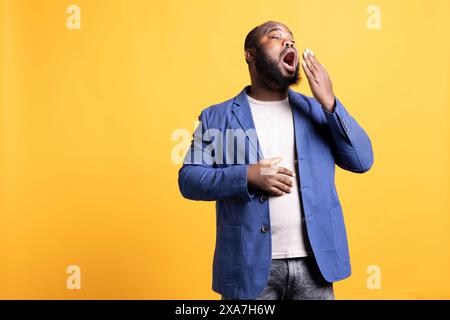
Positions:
{"x": 267, "y": 176}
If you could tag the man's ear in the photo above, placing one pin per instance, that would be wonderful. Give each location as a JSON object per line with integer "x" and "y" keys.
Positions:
{"x": 249, "y": 55}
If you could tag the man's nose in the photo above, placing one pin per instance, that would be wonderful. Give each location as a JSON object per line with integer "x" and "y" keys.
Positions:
{"x": 288, "y": 43}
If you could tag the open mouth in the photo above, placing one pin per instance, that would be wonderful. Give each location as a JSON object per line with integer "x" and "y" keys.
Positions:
{"x": 289, "y": 61}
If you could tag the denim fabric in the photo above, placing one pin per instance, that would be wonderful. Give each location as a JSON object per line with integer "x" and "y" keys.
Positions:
{"x": 295, "y": 279}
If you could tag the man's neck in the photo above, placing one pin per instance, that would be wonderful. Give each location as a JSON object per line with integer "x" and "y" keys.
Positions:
{"x": 262, "y": 93}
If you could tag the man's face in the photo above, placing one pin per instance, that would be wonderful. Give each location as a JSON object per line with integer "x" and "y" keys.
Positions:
{"x": 276, "y": 58}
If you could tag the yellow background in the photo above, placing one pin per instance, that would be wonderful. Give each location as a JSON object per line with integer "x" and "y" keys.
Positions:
{"x": 86, "y": 118}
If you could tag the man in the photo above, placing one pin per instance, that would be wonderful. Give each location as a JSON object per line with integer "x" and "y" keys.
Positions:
{"x": 280, "y": 227}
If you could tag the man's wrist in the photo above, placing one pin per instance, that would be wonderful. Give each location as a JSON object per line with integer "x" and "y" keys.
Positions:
{"x": 330, "y": 106}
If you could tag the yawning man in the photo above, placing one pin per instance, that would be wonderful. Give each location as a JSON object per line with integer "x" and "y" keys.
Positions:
{"x": 267, "y": 157}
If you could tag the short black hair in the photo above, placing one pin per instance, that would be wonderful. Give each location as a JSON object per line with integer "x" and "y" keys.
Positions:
{"x": 251, "y": 40}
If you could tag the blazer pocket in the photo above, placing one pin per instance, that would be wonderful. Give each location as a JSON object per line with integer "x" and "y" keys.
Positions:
{"x": 339, "y": 233}
{"x": 229, "y": 253}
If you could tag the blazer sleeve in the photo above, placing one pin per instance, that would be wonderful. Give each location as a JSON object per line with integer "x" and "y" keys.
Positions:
{"x": 353, "y": 147}
{"x": 199, "y": 179}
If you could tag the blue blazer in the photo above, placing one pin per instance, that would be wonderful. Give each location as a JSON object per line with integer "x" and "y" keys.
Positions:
{"x": 243, "y": 252}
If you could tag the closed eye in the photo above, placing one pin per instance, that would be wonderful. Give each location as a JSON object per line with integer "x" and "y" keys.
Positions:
{"x": 279, "y": 37}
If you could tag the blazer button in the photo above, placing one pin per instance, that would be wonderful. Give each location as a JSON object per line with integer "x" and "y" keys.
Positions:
{"x": 262, "y": 199}
{"x": 265, "y": 228}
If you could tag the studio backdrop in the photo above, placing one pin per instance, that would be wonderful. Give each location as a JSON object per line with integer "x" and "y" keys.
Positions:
{"x": 98, "y": 103}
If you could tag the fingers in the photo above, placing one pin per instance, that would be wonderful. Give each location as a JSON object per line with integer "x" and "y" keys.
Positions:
{"x": 286, "y": 171}
{"x": 279, "y": 189}
{"x": 312, "y": 67}
{"x": 307, "y": 71}
{"x": 316, "y": 63}
{"x": 310, "y": 61}
{"x": 281, "y": 186}
{"x": 311, "y": 74}
{"x": 282, "y": 182}
{"x": 279, "y": 181}
{"x": 285, "y": 179}
{"x": 276, "y": 192}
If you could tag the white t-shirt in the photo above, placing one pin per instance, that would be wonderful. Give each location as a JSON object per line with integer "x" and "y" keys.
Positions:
{"x": 275, "y": 129}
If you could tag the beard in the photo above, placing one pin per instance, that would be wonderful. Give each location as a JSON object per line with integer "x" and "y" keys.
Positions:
{"x": 270, "y": 72}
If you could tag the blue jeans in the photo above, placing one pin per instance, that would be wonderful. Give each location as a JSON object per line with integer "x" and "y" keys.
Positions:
{"x": 295, "y": 279}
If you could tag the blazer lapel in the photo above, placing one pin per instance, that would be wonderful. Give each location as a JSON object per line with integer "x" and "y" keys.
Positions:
{"x": 243, "y": 113}
{"x": 301, "y": 113}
